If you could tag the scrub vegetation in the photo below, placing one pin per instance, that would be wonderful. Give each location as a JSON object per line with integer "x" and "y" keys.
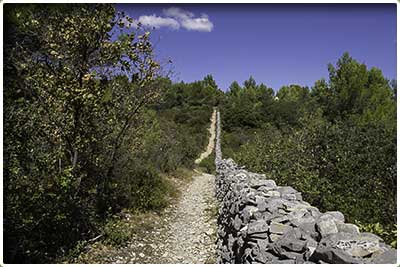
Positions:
{"x": 92, "y": 127}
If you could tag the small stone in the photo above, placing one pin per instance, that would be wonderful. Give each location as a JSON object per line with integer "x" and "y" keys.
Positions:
{"x": 286, "y": 190}
{"x": 314, "y": 211}
{"x": 247, "y": 213}
{"x": 311, "y": 243}
{"x": 326, "y": 227}
{"x": 242, "y": 176}
{"x": 258, "y": 183}
{"x": 273, "y": 194}
{"x": 303, "y": 220}
{"x": 333, "y": 255}
{"x": 294, "y": 245}
{"x": 298, "y": 196}
{"x": 279, "y": 228}
{"x": 335, "y": 214}
{"x": 291, "y": 197}
{"x": 389, "y": 256}
{"x": 363, "y": 251}
{"x": 264, "y": 257}
{"x": 261, "y": 203}
{"x": 295, "y": 205}
{"x": 280, "y": 219}
{"x": 297, "y": 214}
{"x": 259, "y": 236}
{"x": 231, "y": 240}
{"x": 274, "y": 237}
{"x": 262, "y": 244}
{"x": 274, "y": 204}
{"x": 237, "y": 222}
{"x": 370, "y": 237}
{"x": 309, "y": 229}
{"x": 347, "y": 228}
{"x": 266, "y": 189}
{"x": 257, "y": 227}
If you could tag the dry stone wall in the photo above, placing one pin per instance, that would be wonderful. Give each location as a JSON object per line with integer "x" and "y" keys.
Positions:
{"x": 261, "y": 222}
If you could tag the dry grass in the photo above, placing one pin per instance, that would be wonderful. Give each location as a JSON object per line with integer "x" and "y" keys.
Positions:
{"x": 127, "y": 225}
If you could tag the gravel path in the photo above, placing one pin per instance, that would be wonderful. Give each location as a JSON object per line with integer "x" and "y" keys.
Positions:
{"x": 192, "y": 233}
{"x": 184, "y": 233}
{"x": 211, "y": 142}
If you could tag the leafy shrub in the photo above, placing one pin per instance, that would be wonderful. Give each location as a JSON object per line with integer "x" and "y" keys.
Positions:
{"x": 389, "y": 235}
{"x": 117, "y": 233}
{"x": 208, "y": 164}
{"x": 337, "y": 166}
{"x": 148, "y": 190}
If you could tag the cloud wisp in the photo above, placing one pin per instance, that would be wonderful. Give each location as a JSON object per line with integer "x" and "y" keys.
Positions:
{"x": 175, "y": 18}
{"x": 189, "y": 21}
{"x": 158, "y": 22}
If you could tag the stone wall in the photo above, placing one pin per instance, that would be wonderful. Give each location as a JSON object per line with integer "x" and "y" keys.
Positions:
{"x": 260, "y": 222}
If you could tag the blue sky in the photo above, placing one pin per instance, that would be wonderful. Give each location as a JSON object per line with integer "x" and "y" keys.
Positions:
{"x": 278, "y": 44}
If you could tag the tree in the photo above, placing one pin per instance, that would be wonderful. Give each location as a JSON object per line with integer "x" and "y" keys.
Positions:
{"x": 293, "y": 93}
{"x": 356, "y": 93}
{"x": 68, "y": 112}
{"x": 234, "y": 89}
{"x": 210, "y": 82}
{"x": 335, "y": 144}
{"x": 250, "y": 83}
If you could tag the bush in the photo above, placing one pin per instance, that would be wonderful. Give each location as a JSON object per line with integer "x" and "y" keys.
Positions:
{"x": 117, "y": 233}
{"x": 142, "y": 188}
{"x": 208, "y": 164}
{"x": 341, "y": 166}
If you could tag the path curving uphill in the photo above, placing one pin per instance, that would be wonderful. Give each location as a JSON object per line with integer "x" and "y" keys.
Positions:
{"x": 211, "y": 142}
{"x": 185, "y": 232}
{"x": 190, "y": 237}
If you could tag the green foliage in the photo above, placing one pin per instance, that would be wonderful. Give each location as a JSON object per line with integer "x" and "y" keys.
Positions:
{"x": 86, "y": 133}
{"x": 335, "y": 144}
{"x": 207, "y": 165}
{"x": 143, "y": 188}
{"x": 90, "y": 129}
{"x": 336, "y": 166}
{"x": 116, "y": 233}
{"x": 356, "y": 92}
{"x": 69, "y": 114}
{"x": 389, "y": 235}
{"x": 246, "y": 107}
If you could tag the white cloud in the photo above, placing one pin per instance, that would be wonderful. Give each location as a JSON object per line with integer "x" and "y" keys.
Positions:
{"x": 178, "y": 13}
{"x": 198, "y": 24}
{"x": 175, "y": 18}
{"x": 188, "y": 21}
{"x": 158, "y": 22}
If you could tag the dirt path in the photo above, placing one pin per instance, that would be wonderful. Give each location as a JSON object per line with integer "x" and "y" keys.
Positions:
{"x": 190, "y": 235}
{"x": 211, "y": 143}
{"x": 184, "y": 233}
